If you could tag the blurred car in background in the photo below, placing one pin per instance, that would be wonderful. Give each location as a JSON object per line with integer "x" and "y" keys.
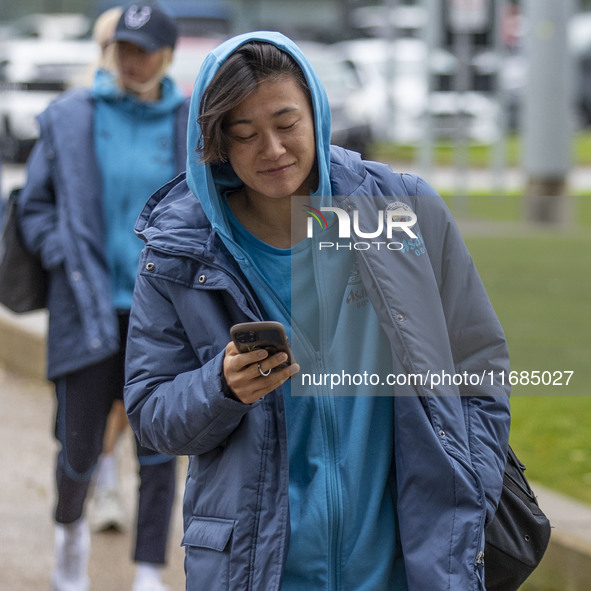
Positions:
{"x": 32, "y": 73}
{"x": 188, "y": 57}
{"x": 351, "y": 121}
{"x": 383, "y": 21}
{"x": 394, "y": 83}
{"x": 474, "y": 113}
{"x": 403, "y": 101}
{"x": 471, "y": 115}
{"x": 58, "y": 26}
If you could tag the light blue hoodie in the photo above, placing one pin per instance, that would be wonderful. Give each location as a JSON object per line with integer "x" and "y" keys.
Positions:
{"x": 342, "y": 494}
{"x": 134, "y": 144}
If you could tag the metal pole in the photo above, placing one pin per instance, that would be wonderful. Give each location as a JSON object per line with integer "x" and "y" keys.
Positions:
{"x": 391, "y": 66}
{"x": 463, "y": 50}
{"x": 548, "y": 113}
{"x": 499, "y": 149}
{"x": 431, "y": 38}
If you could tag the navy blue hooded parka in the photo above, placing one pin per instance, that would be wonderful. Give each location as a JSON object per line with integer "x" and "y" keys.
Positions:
{"x": 450, "y": 442}
{"x": 62, "y": 221}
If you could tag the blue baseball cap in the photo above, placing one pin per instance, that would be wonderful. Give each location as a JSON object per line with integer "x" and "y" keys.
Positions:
{"x": 146, "y": 25}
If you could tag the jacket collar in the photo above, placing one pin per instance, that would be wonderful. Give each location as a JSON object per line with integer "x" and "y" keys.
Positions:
{"x": 173, "y": 221}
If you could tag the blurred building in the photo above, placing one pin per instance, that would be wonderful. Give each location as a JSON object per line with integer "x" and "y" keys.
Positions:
{"x": 313, "y": 18}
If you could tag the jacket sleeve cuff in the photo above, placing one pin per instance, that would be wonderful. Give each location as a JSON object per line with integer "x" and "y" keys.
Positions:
{"x": 219, "y": 384}
{"x": 53, "y": 255}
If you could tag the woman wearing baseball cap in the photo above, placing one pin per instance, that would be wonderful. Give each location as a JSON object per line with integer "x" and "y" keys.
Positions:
{"x": 102, "y": 152}
{"x": 145, "y": 37}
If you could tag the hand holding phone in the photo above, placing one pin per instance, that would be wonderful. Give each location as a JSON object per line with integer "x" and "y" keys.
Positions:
{"x": 268, "y": 335}
{"x": 258, "y": 359}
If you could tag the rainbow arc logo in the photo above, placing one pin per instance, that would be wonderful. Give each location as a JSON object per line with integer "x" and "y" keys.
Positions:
{"x": 317, "y": 215}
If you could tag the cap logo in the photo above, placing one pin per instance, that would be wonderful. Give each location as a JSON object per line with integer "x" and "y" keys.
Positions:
{"x": 136, "y": 18}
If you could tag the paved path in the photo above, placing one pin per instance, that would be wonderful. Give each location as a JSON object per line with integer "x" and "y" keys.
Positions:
{"x": 27, "y": 455}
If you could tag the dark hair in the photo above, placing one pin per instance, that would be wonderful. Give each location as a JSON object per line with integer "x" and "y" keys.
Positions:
{"x": 237, "y": 78}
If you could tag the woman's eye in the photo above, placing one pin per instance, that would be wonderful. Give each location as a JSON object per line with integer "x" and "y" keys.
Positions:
{"x": 244, "y": 138}
{"x": 286, "y": 127}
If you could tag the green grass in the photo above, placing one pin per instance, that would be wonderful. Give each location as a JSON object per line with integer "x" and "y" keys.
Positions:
{"x": 584, "y": 209}
{"x": 540, "y": 286}
{"x": 506, "y": 208}
{"x": 478, "y": 155}
{"x": 582, "y": 149}
{"x": 511, "y": 207}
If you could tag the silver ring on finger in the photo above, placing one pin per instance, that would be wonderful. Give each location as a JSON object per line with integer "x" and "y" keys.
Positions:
{"x": 264, "y": 374}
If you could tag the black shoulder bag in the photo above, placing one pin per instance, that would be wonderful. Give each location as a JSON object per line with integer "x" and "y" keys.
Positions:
{"x": 23, "y": 281}
{"x": 518, "y": 535}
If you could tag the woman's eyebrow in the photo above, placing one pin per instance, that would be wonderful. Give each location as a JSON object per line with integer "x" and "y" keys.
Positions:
{"x": 273, "y": 115}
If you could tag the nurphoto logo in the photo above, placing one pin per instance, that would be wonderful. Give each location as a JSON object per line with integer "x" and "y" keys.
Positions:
{"x": 397, "y": 217}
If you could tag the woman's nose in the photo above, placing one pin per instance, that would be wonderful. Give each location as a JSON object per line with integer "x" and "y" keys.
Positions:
{"x": 273, "y": 146}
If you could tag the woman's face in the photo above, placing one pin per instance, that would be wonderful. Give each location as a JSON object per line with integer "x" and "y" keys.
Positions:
{"x": 135, "y": 65}
{"x": 271, "y": 143}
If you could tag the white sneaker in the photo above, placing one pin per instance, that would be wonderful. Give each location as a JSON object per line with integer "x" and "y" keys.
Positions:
{"x": 106, "y": 510}
{"x": 149, "y": 585}
{"x": 72, "y": 548}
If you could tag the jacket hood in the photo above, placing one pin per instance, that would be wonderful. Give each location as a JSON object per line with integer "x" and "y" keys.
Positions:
{"x": 105, "y": 87}
{"x": 208, "y": 182}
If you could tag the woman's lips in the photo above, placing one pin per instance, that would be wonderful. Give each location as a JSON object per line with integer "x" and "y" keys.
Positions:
{"x": 277, "y": 170}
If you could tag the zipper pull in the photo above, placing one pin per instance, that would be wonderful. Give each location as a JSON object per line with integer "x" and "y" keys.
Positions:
{"x": 480, "y": 558}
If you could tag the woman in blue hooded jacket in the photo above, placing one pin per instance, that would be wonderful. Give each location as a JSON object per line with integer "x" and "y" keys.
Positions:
{"x": 294, "y": 483}
{"x": 102, "y": 152}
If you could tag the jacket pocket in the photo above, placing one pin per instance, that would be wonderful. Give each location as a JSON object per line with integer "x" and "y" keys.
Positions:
{"x": 208, "y": 553}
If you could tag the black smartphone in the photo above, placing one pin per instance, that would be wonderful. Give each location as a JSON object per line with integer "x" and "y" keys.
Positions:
{"x": 269, "y": 335}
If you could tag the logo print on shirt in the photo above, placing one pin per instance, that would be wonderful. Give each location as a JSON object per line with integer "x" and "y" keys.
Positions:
{"x": 136, "y": 18}
{"x": 356, "y": 292}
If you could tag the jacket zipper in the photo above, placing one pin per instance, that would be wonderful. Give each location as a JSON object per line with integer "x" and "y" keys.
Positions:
{"x": 325, "y": 405}
{"x": 334, "y": 485}
{"x": 335, "y": 492}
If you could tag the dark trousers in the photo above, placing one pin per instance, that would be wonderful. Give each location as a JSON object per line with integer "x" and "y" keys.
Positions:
{"x": 84, "y": 400}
